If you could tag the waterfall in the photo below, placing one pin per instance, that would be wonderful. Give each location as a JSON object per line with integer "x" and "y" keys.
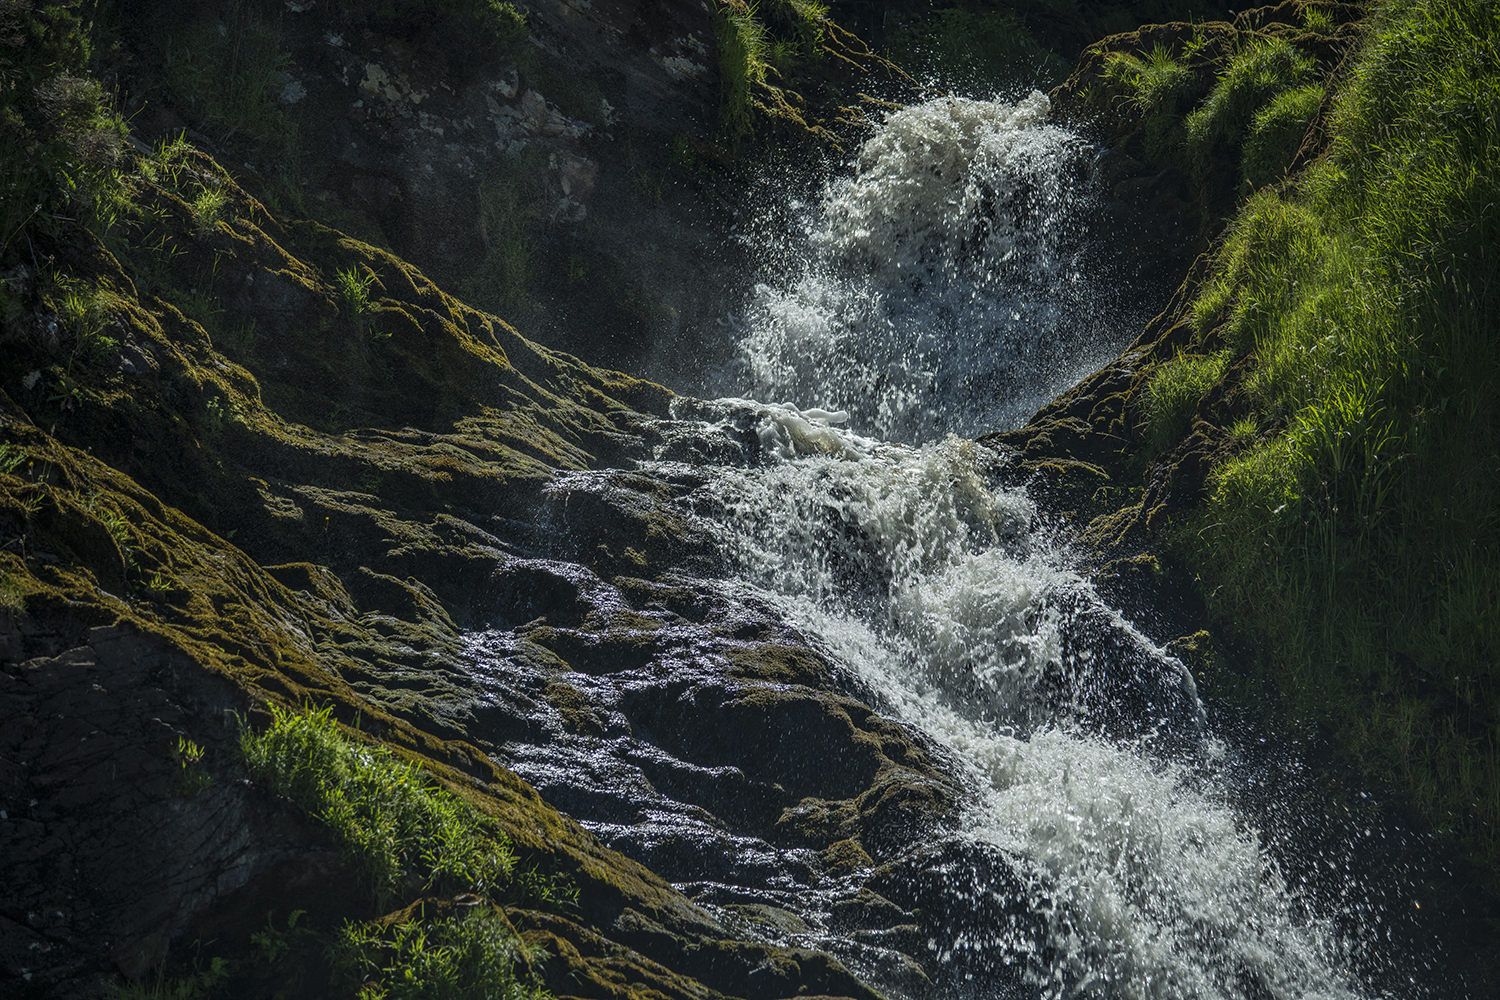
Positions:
{"x": 941, "y": 286}
{"x": 936, "y": 291}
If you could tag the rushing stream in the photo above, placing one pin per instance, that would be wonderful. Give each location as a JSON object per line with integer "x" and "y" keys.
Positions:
{"x": 935, "y": 292}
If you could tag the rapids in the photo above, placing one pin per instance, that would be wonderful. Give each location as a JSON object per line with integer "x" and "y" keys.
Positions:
{"x": 935, "y": 291}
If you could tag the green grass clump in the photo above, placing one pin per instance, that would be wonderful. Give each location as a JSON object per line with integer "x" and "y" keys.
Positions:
{"x": 1172, "y": 394}
{"x": 1277, "y": 131}
{"x": 403, "y": 831}
{"x": 744, "y": 52}
{"x": 1262, "y": 69}
{"x": 1359, "y": 545}
{"x": 476, "y": 956}
{"x": 354, "y": 291}
{"x": 1158, "y": 86}
{"x": 971, "y": 51}
{"x": 208, "y": 209}
{"x": 1156, "y": 82}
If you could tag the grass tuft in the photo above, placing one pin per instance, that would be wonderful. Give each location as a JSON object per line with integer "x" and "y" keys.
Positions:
{"x": 475, "y": 956}
{"x": 744, "y": 57}
{"x": 1262, "y": 69}
{"x": 404, "y": 832}
{"x": 1277, "y": 131}
{"x": 1172, "y": 395}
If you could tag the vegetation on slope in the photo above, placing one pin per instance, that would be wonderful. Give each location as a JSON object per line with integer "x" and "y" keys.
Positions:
{"x": 1357, "y": 540}
{"x": 406, "y": 834}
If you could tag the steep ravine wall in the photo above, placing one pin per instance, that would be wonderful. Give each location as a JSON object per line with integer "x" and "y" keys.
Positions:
{"x": 253, "y": 460}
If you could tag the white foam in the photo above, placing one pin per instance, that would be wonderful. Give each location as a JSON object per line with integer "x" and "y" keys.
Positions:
{"x": 1152, "y": 884}
{"x": 938, "y": 287}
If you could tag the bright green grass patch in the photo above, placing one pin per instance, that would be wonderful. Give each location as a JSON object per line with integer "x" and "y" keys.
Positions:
{"x": 1257, "y": 73}
{"x": 477, "y": 956}
{"x": 744, "y": 57}
{"x": 1359, "y": 547}
{"x": 1159, "y": 86}
{"x": 1156, "y": 82}
{"x": 405, "y": 833}
{"x": 1276, "y": 133}
{"x": 1173, "y": 392}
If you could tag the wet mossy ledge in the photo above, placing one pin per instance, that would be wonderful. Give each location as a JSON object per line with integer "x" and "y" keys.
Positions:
{"x": 250, "y": 467}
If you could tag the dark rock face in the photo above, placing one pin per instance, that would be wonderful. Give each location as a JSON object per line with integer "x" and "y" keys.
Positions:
{"x": 117, "y": 839}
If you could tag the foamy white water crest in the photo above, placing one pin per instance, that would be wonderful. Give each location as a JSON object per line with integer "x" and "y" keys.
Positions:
{"x": 939, "y": 287}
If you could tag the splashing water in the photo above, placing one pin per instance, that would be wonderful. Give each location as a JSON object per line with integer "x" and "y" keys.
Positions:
{"x": 936, "y": 293}
{"x": 940, "y": 287}
{"x": 939, "y": 290}
{"x": 959, "y": 617}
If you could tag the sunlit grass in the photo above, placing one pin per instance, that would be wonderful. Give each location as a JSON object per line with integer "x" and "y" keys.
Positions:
{"x": 1361, "y": 544}
{"x": 404, "y": 832}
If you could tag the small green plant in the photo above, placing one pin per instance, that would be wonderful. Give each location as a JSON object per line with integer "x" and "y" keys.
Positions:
{"x": 403, "y": 831}
{"x": 216, "y": 415}
{"x": 1244, "y": 431}
{"x": 114, "y": 522}
{"x": 238, "y": 338}
{"x": 354, "y": 291}
{"x": 1172, "y": 395}
{"x": 12, "y": 593}
{"x": 511, "y": 194}
{"x": 1317, "y": 19}
{"x": 474, "y": 956}
{"x": 158, "y": 584}
{"x": 208, "y": 209}
{"x": 275, "y": 943}
{"x": 12, "y": 456}
{"x": 1157, "y": 87}
{"x": 189, "y": 756}
{"x": 83, "y": 311}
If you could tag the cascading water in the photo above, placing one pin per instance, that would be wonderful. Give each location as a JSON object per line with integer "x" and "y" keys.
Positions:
{"x": 1100, "y": 852}
{"x": 941, "y": 287}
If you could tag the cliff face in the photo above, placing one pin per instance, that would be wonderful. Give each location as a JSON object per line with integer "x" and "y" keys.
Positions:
{"x": 250, "y": 460}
